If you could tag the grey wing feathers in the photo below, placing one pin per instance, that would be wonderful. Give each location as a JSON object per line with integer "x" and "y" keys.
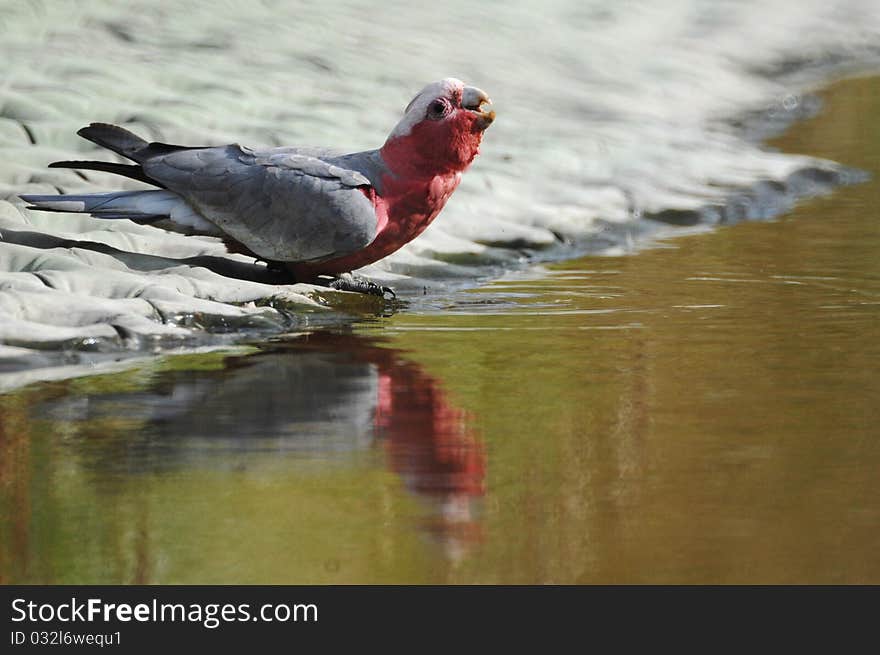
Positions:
{"x": 283, "y": 205}
{"x": 313, "y": 166}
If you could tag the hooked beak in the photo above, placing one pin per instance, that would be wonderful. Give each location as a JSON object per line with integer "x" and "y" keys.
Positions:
{"x": 473, "y": 100}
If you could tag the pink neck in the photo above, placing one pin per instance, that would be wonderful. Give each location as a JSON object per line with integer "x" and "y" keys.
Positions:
{"x": 420, "y": 155}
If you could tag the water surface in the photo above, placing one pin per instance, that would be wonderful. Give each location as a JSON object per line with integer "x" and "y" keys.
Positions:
{"x": 702, "y": 412}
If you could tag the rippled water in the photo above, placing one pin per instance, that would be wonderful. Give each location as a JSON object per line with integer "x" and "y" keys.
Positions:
{"x": 703, "y": 411}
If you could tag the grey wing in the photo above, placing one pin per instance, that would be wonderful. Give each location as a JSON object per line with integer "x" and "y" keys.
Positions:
{"x": 283, "y": 205}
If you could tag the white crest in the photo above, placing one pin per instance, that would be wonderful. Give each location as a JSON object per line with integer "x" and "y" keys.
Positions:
{"x": 418, "y": 106}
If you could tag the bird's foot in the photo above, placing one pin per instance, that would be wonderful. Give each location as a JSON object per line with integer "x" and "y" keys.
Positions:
{"x": 349, "y": 282}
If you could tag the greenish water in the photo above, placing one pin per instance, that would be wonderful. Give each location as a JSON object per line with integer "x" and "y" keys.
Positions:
{"x": 701, "y": 412}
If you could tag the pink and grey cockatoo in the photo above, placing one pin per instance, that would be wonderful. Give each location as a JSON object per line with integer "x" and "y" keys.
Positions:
{"x": 307, "y": 211}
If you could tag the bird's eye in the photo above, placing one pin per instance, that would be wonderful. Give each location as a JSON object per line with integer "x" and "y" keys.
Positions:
{"x": 438, "y": 109}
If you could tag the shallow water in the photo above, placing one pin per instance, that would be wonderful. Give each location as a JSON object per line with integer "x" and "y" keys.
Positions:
{"x": 704, "y": 411}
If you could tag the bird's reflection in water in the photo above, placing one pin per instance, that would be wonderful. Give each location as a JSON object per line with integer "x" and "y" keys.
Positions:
{"x": 430, "y": 444}
{"x": 428, "y": 441}
{"x": 320, "y": 396}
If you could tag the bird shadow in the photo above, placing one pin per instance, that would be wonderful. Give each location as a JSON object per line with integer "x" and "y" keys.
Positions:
{"x": 145, "y": 262}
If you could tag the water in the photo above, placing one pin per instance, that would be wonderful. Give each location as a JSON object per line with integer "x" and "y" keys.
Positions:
{"x": 704, "y": 411}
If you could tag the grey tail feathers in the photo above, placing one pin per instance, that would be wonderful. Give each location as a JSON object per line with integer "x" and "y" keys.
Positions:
{"x": 125, "y": 143}
{"x": 140, "y": 206}
{"x": 133, "y": 171}
{"x": 115, "y": 138}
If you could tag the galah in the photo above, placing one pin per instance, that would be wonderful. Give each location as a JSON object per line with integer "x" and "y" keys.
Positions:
{"x": 308, "y": 211}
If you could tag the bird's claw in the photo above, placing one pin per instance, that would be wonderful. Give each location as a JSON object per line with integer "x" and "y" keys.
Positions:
{"x": 349, "y": 282}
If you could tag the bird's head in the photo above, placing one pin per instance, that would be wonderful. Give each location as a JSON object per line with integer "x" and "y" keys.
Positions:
{"x": 440, "y": 131}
